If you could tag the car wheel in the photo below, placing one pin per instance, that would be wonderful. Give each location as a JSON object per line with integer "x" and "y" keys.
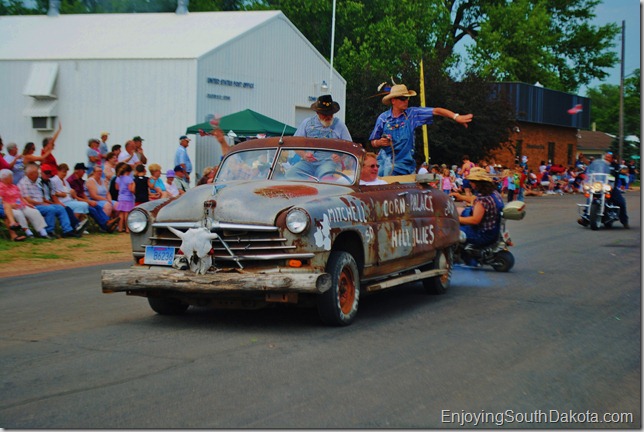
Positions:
{"x": 444, "y": 260}
{"x": 594, "y": 217}
{"x": 167, "y": 306}
{"x": 339, "y": 304}
{"x": 503, "y": 261}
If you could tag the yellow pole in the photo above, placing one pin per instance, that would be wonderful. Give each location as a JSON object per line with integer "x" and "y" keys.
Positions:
{"x": 422, "y": 103}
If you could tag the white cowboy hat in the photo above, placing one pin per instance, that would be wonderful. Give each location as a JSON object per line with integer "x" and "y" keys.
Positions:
{"x": 398, "y": 90}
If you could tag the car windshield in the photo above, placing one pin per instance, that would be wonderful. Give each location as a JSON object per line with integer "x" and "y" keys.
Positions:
{"x": 247, "y": 165}
{"x": 320, "y": 166}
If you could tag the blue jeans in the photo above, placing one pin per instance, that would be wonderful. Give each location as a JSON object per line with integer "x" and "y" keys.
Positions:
{"x": 616, "y": 198}
{"x": 52, "y": 211}
{"x": 315, "y": 169}
{"x": 99, "y": 216}
{"x": 475, "y": 235}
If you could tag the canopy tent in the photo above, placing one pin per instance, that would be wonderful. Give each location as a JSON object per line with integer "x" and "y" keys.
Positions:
{"x": 246, "y": 123}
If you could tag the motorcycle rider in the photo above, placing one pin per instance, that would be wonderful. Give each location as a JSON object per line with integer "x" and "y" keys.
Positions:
{"x": 607, "y": 165}
{"x": 481, "y": 221}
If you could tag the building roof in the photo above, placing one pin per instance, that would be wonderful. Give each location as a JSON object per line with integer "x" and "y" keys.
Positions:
{"x": 124, "y": 36}
{"x": 592, "y": 140}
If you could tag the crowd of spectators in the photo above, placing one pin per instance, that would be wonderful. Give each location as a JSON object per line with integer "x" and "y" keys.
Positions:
{"x": 40, "y": 197}
{"x": 518, "y": 181}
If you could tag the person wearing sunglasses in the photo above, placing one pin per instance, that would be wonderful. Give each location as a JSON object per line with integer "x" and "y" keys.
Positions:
{"x": 369, "y": 172}
{"x": 394, "y": 130}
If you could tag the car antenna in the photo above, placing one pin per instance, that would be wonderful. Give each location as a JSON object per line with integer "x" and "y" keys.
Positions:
{"x": 281, "y": 141}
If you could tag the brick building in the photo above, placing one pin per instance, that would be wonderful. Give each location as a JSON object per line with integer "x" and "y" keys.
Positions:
{"x": 548, "y": 124}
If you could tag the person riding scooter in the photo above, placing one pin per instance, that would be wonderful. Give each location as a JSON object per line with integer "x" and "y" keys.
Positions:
{"x": 481, "y": 221}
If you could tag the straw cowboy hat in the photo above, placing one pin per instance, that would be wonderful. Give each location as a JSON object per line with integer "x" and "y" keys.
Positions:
{"x": 479, "y": 174}
{"x": 398, "y": 90}
{"x": 325, "y": 105}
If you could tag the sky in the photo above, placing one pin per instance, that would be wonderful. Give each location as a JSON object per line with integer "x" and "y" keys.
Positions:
{"x": 616, "y": 11}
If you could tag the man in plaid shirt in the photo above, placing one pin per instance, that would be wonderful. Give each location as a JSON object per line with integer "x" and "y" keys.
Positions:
{"x": 32, "y": 192}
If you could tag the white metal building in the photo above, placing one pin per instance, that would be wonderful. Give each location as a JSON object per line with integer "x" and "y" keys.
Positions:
{"x": 153, "y": 75}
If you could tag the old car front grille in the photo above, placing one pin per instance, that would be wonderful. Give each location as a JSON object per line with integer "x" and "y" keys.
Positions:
{"x": 236, "y": 242}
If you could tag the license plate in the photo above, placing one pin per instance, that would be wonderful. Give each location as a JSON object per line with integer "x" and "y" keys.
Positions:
{"x": 506, "y": 236}
{"x": 159, "y": 255}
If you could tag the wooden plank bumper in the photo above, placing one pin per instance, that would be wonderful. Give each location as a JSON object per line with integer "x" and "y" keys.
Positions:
{"x": 141, "y": 279}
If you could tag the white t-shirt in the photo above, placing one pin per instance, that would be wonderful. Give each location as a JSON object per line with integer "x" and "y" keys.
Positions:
{"x": 124, "y": 155}
{"x": 373, "y": 183}
{"x": 171, "y": 188}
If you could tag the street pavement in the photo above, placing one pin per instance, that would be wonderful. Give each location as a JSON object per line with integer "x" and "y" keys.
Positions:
{"x": 555, "y": 343}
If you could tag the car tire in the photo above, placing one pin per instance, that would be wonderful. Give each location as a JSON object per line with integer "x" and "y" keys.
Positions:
{"x": 167, "y": 306}
{"x": 444, "y": 260}
{"x": 338, "y": 306}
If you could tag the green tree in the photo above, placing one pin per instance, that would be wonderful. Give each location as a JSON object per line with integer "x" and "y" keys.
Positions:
{"x": 550, "y": 41}
{"x": 604, "y": 111}
{"x": 632, "y": 104}
{"x": 604, "y": 107}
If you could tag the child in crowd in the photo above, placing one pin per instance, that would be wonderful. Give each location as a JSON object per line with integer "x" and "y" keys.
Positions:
{"x": 512, "y": 184}
{"x": 141, "y": 185}
{"x": 447, "y": 181}
{"x": 125, "y": 203}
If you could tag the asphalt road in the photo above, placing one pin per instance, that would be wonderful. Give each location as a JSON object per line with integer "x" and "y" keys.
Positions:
{"x": 557, "y": 339}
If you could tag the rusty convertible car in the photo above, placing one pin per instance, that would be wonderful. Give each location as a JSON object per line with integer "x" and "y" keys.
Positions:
{"x": 272, "y": 229}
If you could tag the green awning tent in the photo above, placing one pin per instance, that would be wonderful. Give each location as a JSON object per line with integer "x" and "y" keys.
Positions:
{"x": 246, "y": 123}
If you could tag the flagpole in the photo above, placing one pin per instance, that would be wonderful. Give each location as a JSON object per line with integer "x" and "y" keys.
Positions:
{"x": 422, "y": 104}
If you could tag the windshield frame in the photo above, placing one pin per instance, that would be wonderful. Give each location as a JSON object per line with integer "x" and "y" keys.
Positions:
{"x": 277, "y": 171}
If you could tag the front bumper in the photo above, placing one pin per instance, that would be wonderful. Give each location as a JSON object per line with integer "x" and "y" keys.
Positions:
{"x": 142, "y": 279}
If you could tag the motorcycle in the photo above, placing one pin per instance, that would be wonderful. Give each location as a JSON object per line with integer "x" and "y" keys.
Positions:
{"x": 597, "y": 209}
{"x": 496, "y": 254}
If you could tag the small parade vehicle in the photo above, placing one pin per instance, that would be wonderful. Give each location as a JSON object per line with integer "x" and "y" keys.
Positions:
{"x": 267, "y": 232}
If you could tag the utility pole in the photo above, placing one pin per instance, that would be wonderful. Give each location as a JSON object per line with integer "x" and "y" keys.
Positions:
{"x": 621, "y": 99}
{"x": 332, "y": 47}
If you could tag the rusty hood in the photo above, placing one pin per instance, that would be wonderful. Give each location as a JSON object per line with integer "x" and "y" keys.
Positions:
{"x": 247, "y": 202}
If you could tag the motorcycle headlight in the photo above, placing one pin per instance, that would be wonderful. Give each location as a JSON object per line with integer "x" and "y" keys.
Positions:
{"x": 297, "y": 220}
{"x": 597, "y": 186}
{"x": 586, "y": 187}
{"x": 137, "y": 221}
{"x": 607, "y": 188}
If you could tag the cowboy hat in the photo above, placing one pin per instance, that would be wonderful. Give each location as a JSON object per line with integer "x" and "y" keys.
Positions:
{"x": 479, "y": 174}
{"x": 399, "y": 90}
{"x": 325, "y": 105}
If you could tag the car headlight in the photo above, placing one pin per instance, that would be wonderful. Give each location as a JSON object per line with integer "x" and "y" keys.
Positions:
{"x": 137, "y": 221}
{"x": 297, "y": 220}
